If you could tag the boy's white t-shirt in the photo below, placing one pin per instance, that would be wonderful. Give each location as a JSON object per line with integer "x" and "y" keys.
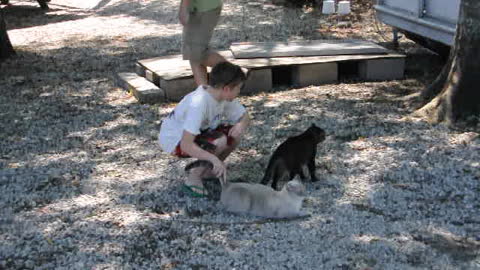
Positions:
{"x": 196, "y": 112}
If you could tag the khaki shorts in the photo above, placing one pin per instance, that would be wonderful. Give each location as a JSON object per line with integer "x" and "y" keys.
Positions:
{"x": 197, "y": 34}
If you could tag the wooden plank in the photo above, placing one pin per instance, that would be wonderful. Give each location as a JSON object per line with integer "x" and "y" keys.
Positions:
{"x": 168, "y": 67}
{"x": 173, "y": 67}
{"x": 304, "y": 48}
{"x": 283, "y": 61}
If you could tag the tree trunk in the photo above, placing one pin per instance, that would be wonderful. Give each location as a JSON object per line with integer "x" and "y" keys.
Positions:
{"x": 458, "y": 84}
{"x": 6, "y": 48}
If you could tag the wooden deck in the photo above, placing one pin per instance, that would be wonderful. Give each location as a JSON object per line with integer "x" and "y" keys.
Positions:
{"x": 173, "y": 76}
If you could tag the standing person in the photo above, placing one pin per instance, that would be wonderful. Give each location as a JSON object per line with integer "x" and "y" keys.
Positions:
{"x": 199, "y": 18}
{"x": 209, "y": 114}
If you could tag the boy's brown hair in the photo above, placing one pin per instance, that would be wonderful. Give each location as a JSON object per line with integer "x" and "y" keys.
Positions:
{"x": 226, "y": 73}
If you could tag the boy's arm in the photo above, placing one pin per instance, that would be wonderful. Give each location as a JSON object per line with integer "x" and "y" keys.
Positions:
{"x": 239, "y": 128}
{"x": 188, "y": 145}
{"x": 183, "y": 12}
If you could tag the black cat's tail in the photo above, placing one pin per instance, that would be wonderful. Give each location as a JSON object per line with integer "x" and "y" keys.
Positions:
{"x": 270, "y": 171}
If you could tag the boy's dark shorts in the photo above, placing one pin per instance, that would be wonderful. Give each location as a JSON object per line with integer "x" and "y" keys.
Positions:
{"x": 207, "y": 137}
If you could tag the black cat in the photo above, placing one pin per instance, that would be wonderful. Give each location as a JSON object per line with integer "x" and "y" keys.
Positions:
{"x": 293, "y": 155}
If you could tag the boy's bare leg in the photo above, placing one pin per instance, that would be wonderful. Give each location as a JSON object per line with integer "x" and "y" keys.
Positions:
{"x": 199, "y": 69}
{"x": 196, "y": 175}
{"x": 227, "y": 150}
{"x": 222, "y": 155}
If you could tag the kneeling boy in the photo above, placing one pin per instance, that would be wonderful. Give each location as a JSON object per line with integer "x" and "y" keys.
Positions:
{"x": 207, "y": 124}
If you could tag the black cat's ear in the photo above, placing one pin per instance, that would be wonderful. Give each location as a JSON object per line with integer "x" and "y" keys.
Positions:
{"x": 313, "y": 125}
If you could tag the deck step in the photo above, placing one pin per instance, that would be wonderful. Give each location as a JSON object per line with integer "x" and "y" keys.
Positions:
{"x": 143, "y": 90}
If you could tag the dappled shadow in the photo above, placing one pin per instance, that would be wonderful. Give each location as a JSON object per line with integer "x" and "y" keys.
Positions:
{"x": 88, "y": 184}
{"x": 156, "y": 11}
{"x": 18, "y": 17}
{"x": 64, "y": 109}
{"x": 59, "y": 179}
{"x": 416, "y": 61}
{"x": 407, "y": 191}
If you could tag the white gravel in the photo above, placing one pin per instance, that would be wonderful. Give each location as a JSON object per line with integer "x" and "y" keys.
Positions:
{"x": 84, "y": 186}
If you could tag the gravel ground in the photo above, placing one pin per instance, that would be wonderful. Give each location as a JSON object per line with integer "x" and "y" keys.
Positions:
{"x": 85, "y": 186}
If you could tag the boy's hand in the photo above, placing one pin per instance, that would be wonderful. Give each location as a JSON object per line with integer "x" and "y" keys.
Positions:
{"x": 220, "y": 170}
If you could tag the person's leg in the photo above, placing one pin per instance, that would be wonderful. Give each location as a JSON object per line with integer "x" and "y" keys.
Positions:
{"x": 222, "y": 153}
{"x": 196, "y": 37}
{"x": 232, "y": 142}
{"x": 228, "y": 149}
{"x": 199, "y": 69}
{"x": 199, "y": 73}
{"x": 196, "y": 174}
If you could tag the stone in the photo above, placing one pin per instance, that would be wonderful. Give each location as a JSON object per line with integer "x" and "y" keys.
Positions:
{"x": 382, "y": 69}
{"x": 258, "y": 80}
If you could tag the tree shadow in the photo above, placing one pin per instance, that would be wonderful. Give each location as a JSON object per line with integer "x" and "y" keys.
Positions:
{"x": 19, "y": 17}
{"x": 334, "y": 214}
{"x": 128, "y": 226}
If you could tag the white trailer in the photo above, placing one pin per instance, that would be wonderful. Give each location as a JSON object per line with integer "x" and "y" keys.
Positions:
{"x": 431, "y": 23}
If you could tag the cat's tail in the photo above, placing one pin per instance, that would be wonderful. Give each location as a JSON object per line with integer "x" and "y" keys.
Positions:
{"x": 268, "y": 172}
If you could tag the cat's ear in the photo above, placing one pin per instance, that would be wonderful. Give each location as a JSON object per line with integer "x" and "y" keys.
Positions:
{"x": 296, "y": 187}
{"x": 313, "y": 125}
{"x": 291, "y": 186}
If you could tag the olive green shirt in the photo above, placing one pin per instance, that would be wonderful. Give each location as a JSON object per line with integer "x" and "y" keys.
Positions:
{"x": 204, "y": 5}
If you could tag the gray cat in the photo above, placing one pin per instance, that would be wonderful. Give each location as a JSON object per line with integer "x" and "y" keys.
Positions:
{"x": 264, "y": 201}
{"x": 257, "y": 199}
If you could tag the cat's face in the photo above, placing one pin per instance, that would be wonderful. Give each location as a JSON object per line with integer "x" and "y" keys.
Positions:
{"x": 296, "y": 187}
{"x": 318, "y": 133}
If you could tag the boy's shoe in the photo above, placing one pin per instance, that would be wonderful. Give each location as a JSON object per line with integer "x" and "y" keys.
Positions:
{"x": 195, "y": 191}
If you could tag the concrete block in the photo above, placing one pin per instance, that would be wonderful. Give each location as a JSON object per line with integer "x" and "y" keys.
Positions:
{"x": 176, "y": 89}
{"x": 314, "y": 74}
{"x": 258, "y": 80}
{"x": 382, "y": 69}
{"x": 152, "y": 76}
{"x": 143, "y": 90}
